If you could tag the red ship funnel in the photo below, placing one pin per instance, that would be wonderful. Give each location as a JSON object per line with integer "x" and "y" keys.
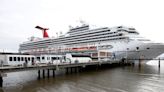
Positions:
{"x": 45, "y": 34}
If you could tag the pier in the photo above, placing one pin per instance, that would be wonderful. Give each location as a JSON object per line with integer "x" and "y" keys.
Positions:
{"x": 69, "y": 68}
{"x": 46, "y": 69}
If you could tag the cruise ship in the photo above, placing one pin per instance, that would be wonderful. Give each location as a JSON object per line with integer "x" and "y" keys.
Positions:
{"x": 102, "y": 43}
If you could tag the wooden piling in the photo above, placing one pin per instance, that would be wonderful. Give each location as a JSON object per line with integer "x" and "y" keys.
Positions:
{"x": 43, "y": 73}
{"x": 77, "y": 69}
{"x": 1, "y": 81}
{"x": 66, "y": 70}
{"x": 53, "y": 74}
{"x": 139, "y": 65}
{"x": 38, "y": 74}
{"x": 71, "y": 70}
{"x": 48, "y": 73}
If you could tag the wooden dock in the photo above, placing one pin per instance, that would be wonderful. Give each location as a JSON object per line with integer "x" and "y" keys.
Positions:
{"x": 67, "y": 66}
{"x": 7, "y": 69}
{"x": 53, "y": 67}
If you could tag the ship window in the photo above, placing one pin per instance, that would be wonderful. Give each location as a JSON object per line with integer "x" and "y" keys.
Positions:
{"x": 137, "y": 48}
{"x": 22, "y": 59}
{"x": 25, "y": 58}
{"x": 131, "y": 28}
{"x": 119, "y": 27}
{"x": 38, "y": 58}
{"x": 43, "y": 58}
{"x": 10, "y": 59}
{"x": 32, "y": 58}
{"x": 53, "y": 58}
{"x": 28, "y": 58}
{"x": 18, "y": 58}
{"x": 132, "y": 32}
{"x": 64, "y": 57}
{"x": 48, "y": 58}
{"x": 120, "y": 34}
{"x": 14, "y": 58}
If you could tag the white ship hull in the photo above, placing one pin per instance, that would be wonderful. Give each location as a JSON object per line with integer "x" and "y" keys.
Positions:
{"x": 145, "y": 51}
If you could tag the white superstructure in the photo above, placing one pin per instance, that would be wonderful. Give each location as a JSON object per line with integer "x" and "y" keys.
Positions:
{"x": 113, "y": 43}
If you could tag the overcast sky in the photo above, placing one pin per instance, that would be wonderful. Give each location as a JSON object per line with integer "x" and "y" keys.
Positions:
{"x": 18, "y": 18}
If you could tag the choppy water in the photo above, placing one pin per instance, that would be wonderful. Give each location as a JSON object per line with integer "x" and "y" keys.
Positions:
{"x": 147, "y": 78}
